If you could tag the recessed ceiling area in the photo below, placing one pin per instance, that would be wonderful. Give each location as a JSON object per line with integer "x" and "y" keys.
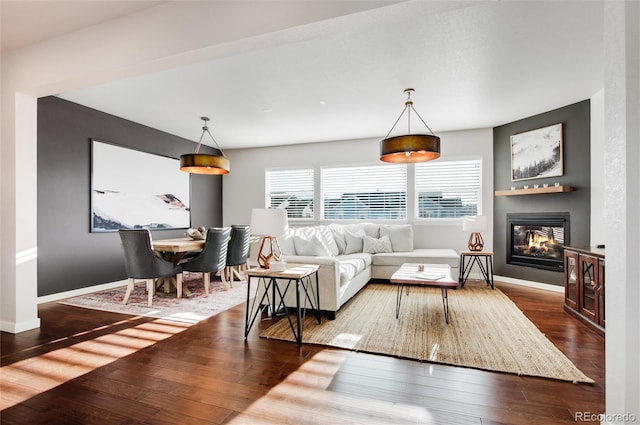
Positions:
{"x": 472, "y": 65}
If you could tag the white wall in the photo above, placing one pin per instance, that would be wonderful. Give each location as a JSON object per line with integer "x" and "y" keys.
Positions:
{"x": 244, "y": 187}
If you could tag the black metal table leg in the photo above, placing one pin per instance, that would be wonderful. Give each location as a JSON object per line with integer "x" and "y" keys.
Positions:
{"x": 445, "y": 303}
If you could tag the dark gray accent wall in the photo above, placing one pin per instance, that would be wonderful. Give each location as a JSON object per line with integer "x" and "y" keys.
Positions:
{"x": 69, "y": 256}
{"x": 577, "y": 173}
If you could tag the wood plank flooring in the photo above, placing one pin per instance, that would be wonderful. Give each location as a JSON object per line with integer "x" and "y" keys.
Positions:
{"x": 91, "y": 367}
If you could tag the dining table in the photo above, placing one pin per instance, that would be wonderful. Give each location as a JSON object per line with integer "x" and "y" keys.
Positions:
{"x": 174, "y": 250}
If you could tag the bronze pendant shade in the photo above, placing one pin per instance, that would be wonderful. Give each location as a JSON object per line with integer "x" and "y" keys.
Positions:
{"x": 202, "y": 163}
{"x": 410, "y": 148}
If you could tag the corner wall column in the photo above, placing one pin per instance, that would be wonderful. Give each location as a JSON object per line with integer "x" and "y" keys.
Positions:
{"x": 622, "y": 209}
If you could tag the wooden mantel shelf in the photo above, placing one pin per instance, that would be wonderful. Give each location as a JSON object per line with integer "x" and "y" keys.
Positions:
{"x": 534, "y": 191}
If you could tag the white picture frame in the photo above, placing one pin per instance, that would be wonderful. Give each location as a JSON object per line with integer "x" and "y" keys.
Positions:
{"x": 131, "y": 189}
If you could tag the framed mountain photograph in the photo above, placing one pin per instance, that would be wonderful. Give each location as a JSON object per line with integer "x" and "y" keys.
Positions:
{"x": 537, "y": 153}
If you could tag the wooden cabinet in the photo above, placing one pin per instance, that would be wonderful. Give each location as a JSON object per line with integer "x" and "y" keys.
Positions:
{"x": 584, "y": 285}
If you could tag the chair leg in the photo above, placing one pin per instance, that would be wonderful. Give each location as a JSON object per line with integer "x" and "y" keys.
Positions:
{"x": 206, "y": 276}
{"x": 179, "y": 285}
{"x": 130, "y": 283}
{"x": 228, "y": 275}
{"x": 151, "y": 286}
{"x": 224, "y": 280}
{"x": 236, "y": 271}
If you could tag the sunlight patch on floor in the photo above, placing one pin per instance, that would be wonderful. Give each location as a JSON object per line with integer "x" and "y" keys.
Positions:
{"x": 303, "y": 398}
{"x": 27, "y": 378}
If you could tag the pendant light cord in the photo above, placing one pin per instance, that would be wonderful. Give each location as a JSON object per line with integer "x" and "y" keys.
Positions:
{"x": 408, "y": 106}
{"x": 205, "y": 129}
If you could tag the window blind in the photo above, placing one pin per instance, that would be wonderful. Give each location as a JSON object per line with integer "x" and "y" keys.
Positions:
{"x": 364, "y": 192}
{"x": 448, "y": 189}
{"x": 292, "y": 190}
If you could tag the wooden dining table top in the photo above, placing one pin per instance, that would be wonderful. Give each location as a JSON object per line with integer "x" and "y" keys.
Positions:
{"x": 178, "y": 244}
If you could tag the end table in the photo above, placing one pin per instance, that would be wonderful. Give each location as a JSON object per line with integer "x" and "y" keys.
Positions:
{"x": 469, "y": 258}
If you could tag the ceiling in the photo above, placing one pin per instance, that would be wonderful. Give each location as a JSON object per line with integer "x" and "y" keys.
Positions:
{"x": 473, "y": 65}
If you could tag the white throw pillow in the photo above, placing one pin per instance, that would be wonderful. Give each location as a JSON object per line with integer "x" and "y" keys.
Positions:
{"x": 312, "y": 246}
{"x": 354, "y": 242}
{"x": 338, "y": 236}
{"x": 374, "y": 246}
{"x": 401, "y": 236}
{"x": 326, "y": 236}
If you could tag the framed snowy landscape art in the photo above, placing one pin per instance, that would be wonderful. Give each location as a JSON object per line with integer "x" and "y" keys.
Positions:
{"x": 131, "y": 189}
{"x": 537, "y": 153}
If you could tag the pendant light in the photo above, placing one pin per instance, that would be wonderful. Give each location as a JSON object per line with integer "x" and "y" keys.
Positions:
{"x": 203, "y": 163}
{"x": 410, "y": 147}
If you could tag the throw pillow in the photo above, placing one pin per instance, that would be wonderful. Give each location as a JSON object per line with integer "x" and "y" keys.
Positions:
{"x": 338, "y": 236}
{"x": 354, "y": 242}
{"x": 312, "y": 247}
{"x": 401, "y": 236}
{"x": 373, "y": 245}
{"x": 326, "y": 236}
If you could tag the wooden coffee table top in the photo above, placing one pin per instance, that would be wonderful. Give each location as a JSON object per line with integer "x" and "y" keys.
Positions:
{"x": 433, "y": 275}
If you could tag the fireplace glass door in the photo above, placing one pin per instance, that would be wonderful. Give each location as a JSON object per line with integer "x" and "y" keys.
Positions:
{"x": 538, "y": 240}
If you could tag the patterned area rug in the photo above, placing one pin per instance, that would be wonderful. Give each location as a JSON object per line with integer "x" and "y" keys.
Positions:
{"x": 191, "y": 308}
{"x": 486, "y": 331}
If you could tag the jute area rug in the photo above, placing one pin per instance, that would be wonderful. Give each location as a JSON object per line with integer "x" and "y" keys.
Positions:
{"x": 486, "y": 331}
{"x": 193, "y": 307}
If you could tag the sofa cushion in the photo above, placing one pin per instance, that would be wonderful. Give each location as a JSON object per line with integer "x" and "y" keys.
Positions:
{"x": 323, "y": 235}
{"x": 338, "y": 237}
{"x": 401, "y": 236}
{"x": 375, "y": 245}
{"x": 312, "y": 246}
{"x": 352, "y": 264}
{"x": 419, "y": 255}
{"x": 370, "y": 229}
{"x": 286, "y": 243}
{"x": 354, "y": 241}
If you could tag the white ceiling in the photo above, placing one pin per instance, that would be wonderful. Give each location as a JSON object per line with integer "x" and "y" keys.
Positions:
{"x": 472, "y": 64}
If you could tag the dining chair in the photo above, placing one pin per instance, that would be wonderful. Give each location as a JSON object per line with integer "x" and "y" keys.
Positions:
{"x": 238, "y": 252}
{"x": 212, "y": 258}
{"x": 142, "y": 263}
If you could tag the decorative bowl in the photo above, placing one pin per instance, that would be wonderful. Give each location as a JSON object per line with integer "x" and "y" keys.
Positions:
{"x": 196, "y": 234}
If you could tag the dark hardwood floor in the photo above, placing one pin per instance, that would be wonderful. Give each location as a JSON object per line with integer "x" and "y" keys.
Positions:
{"x": 92, "y": 367}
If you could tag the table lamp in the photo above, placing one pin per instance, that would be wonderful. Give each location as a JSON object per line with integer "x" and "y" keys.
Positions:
{"x": 475, "y": 225}
{"x": 269, "y": 223}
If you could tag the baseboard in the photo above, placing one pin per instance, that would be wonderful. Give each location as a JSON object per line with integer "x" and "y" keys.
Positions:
{"x": 18, "y": 327}
{"x": 81, "y": 291}
{"x": 530, "y": 283}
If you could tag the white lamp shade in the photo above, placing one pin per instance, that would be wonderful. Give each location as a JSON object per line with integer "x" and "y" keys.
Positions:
{"x": 476, "y": 223}
{"x": 269, "y": 221}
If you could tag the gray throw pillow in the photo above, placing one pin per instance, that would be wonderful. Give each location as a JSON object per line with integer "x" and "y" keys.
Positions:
{"x": 354, "y": 242}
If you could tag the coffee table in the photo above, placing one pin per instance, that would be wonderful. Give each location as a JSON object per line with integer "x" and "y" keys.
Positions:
{"x": 436, "y": 275}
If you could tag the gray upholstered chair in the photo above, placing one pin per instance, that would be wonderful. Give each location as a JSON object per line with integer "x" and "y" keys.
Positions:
{"x": 238, "y": 252}
{"x": 213, "y": 257}
{"x": 142, "y": 264}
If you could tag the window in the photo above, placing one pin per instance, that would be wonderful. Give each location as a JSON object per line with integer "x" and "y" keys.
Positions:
{"x": 364, "y": 192}
{"x": 448, "y": 189}
{"x": 292, "y": 190}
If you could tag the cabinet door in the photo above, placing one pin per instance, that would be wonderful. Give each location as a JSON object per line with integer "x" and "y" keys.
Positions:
{"x": 588, "y": 288}
{"x": 601, "y": 293}
{"x": 571, "y": 279}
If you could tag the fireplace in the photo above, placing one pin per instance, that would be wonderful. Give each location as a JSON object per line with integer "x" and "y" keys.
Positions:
{"x": 537, "y": 239}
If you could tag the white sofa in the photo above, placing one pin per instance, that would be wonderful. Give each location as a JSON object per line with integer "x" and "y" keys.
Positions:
{"x": 350, "y": 255}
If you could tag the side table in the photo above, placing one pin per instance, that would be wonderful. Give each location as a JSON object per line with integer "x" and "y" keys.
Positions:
{"x": 298, "y": 275}
{"x": 469, "y": 258}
